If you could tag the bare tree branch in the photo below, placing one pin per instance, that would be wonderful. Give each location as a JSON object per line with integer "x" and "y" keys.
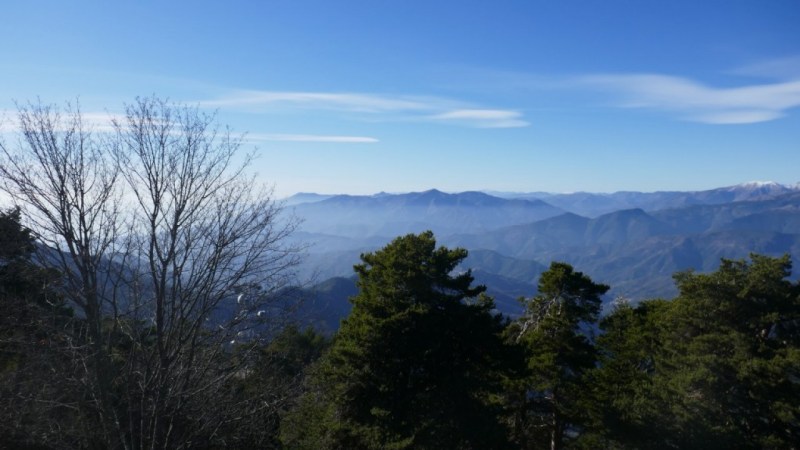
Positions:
{"x": 171, "y": 253}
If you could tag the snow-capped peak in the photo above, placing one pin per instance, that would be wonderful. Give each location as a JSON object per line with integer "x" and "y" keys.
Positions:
{"x": 759, "y": 184}
{"x": 755, "y": 190}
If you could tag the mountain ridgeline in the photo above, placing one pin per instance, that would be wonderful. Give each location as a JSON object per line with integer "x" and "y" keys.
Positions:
{"x": 633, "y": 241}
{"x": 389, "y": 215}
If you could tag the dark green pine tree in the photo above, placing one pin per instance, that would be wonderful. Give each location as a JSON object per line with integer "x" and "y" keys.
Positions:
{"x": 733, "y": 356}
{"x": 416, "y": 364}
{"x": 30, "y": 303}
{"x": 549, "y": 403}
{"x": 715, "y": 368}
{"x": 629, "y": 403}
{"x": 36, "y": 406}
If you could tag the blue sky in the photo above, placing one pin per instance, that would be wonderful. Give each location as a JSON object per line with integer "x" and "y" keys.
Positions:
{"x": 367, "y": 96}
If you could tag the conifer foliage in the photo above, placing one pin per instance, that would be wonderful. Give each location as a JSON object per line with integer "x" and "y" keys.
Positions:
{"x": 736, "y": 353}
{"x": 715, "y": 368}
{"x": 560, "y": 353}
{"x": 413, "y": 366}
{"x": 34, "y": 321}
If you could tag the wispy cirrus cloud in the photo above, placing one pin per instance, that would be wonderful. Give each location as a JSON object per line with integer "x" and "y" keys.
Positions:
{"x": 785, "y": 68}
{"x": 699, "y": 102}
{"x": 312, "y": 138}
{"x": 103, "y": 123}
{"x": 384, "y": 107}
{"x": 483, "y": 118}
{"x": 91, "y": 121}
{"x": 366, "y": 103}
{"x": 766, "y": 90}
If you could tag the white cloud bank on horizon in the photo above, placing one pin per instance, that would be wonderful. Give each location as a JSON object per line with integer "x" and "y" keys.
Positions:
{"x": 697, "y": 102}
{"x": 411, "y": 108}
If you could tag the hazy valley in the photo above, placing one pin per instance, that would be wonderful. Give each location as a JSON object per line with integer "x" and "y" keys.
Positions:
{"x": 632, "y": 241}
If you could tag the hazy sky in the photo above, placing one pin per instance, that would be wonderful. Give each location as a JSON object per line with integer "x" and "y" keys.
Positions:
{"x": 367, "y": 96}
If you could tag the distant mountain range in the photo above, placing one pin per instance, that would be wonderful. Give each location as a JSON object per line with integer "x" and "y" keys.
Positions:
{"x": 390, "y": 215}
{"x": 592, "y": 204}
{"x": 633, "y": 241}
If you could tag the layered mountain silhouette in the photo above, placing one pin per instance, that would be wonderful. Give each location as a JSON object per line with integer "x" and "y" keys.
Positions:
{"x": 633, "y": 241}
{"x": 593, "y": 204}
{"x": 391, "y": 215}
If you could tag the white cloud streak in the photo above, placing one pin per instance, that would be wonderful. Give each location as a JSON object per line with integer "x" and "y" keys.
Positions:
{"x": 778, "y": 68}
{"x": 698, "y": 102}
{"x": 100, "y": 122}
{"x": 484, "y": 118}
{"x": 387, "y": 107}
{"x": 319, "y": 100}
{"x": 312, "y": 138}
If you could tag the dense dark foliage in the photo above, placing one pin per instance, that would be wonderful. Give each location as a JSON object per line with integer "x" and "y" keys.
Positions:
{"x": 423, "y": 361}
{"x": 416, "y": 364}
{"x": 717, "y": 367}
{"x": 559, "y": 355}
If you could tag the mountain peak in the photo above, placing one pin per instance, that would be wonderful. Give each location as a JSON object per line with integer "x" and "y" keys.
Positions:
{"x": 305, "y": 197}
{"x": 759, "y": 184}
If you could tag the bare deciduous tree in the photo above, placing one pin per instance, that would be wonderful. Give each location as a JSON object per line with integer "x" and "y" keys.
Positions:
{"x": 205, "y": 236}
{"x": 172, "y": 253}
{"x": 67, "y": 185}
